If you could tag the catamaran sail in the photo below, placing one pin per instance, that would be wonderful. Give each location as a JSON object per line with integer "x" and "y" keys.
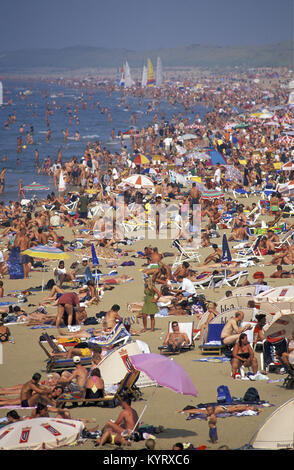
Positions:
{"x": 159, "y": 78}
{"x": 129, "y": 81}
{"x": 122, "y": 78}
{"x": 150, "y": 76}
{"x": 1, "y": 94}
{"x": 144, "y": 76}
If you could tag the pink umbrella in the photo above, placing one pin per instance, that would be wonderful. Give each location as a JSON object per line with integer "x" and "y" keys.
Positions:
{"x": 165, "y": 372}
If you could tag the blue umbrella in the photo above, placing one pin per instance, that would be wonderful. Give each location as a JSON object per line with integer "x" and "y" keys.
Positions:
{"x": 226, "y": 250}
{"x": 95, "y": 261}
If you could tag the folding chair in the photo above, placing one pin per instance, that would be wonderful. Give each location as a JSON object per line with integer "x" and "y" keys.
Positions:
{"x": 211, "y": 343}
{"x": 188, "y": 328}
{"x": 240, "y": 192}
{"x": 126, "y": 387}
{"x": 185, "y": 254}
{"x": 204, "y": 279}
{"x": 253, "y": 251}
{"x": 54, "y": 362}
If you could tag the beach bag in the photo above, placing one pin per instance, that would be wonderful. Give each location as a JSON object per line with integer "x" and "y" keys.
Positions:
{"x": 251, "y": 396}
{"x": 223, "y": 394}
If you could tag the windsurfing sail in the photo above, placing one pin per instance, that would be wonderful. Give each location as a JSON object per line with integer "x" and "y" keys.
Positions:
{"x": 150, "y": 75}
{"x": 1, "y": 94}
{"x": 144, "y": 76}
{"x": 129, "y": 82}
{"x": 159, "y": 78}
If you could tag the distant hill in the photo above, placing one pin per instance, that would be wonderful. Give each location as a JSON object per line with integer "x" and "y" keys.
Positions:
{"x": 195, "y": 55}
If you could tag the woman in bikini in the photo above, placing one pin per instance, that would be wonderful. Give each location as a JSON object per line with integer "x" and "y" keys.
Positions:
{"x": 243, "y": 355}
{"x": 94, "y": 385}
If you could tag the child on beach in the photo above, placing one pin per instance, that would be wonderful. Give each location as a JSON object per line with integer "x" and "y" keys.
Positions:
{"x": 211, "y": 418}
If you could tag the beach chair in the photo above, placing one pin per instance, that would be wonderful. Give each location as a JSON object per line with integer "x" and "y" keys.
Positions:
{"x": 204, "y": 280}
{"x": 185, "y": 254}
{"x": 240, "y": 192}
{"x": 126, "y": 388}
{"x": 188, "y": 328}
{"x": 119, "y": 336}
{"x": 54, "y": 362}
{"x": 211, "y": 342}
{"x": 286, "y": 239}
{"x": 252, "y": 251}
{"x": 232, "y": 280}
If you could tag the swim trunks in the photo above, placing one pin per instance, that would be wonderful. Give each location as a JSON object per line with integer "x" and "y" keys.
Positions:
{"x": 25, "y": 404}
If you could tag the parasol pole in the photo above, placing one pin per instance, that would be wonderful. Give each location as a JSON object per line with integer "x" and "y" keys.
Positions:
{"x": 144, "y": 409}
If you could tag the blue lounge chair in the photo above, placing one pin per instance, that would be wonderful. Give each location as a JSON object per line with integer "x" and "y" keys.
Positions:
{"x": 212, "y": 340}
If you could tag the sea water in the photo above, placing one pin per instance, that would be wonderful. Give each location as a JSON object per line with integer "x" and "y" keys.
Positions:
{"x": 93, "y": 125}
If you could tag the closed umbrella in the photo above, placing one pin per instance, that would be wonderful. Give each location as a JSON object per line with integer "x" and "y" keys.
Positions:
{"x": 40, "y": 434}
{"x": 165, "y": 372}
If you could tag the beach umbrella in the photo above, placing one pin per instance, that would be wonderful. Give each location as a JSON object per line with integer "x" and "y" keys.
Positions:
{"x": 45, "y": 252}
{"x": 282, "y": 325}
{"x": 95, "y": 261}
{"x": 289, "y": 166}
{"x": 187, "y": 137}
{"x": 140, "y": 159}
{"x": 276, "y": 294}
{"x": 165, "y": 372}
{"x": 40, "y": 434}
{"x": 226, "y": 256}
{"x": 212, "y": 194}
{"x": 139, "y": 181}
{"x": 285, "y": 140}
{"x": 36, "y": 187}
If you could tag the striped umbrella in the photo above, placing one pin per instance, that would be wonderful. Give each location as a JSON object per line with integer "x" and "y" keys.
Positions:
{"x": 45, "y": 252}
{"x": 139, "y": 181}
{"x": 140, "y": 159}
{"x": 212, "y": 194}
{"x": 36, "y": 187}
{"x": 286, "y": 140}
{"x": 289, "y": 166}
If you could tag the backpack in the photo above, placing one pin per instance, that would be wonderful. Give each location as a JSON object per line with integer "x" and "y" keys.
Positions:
{"x": 251, "y": 396}
{"x": 223, "y": 394}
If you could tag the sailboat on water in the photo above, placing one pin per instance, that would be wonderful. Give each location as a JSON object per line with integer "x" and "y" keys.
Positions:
{"x": 150, "y": 75}
{"x": 122, "y": 81}
{"x": 159, "y": 75}
{"x": 144, "y": 76}
{"x": 128, "y": 77}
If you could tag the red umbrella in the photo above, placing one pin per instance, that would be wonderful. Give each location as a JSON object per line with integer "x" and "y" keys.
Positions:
{"x": 286, "y": 140}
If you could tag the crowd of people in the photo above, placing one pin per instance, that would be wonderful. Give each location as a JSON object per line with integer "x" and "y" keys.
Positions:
{"x": 245, "y": 193}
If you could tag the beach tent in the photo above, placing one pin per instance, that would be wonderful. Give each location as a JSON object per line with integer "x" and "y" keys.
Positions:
{"x": 277, "y": 432}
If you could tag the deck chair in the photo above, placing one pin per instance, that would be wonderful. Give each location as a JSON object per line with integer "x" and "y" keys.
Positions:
{"x": 54, "y": 362}
{"x": 252, "y": 251}
{"x": 204, "y": 280}
{"x": 240, "y": 192}
{"x": 188, "y": 328}
{"x": 287, "y": 238}
{"x": 211, "y": 341}
{"x": 185, "y": 254}
{"x": 232, "y": 280}
{"x": 117, "y": 337}
{"x": 127, "y": 387}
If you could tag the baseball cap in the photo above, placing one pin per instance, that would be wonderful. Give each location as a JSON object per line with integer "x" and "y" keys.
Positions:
{"x": 76, "y": 359}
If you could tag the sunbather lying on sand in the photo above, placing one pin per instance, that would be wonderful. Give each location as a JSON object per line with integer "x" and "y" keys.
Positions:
{"x": 221, "y": 409}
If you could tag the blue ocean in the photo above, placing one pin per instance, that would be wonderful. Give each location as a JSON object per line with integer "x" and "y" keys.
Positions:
{"x": 63, "y": 103}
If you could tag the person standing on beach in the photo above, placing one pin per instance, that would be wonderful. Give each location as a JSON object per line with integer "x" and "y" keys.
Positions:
{"x": 2, "y": 180}
{"x": 150, "y": 304}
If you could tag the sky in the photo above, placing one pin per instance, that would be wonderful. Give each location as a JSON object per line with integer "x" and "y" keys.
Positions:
{"x": 143, "y": 24}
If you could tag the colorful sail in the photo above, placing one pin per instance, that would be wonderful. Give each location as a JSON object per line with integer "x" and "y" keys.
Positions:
{"x": 150, "y": 76}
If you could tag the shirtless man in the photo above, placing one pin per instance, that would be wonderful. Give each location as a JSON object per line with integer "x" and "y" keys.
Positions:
{"x": 79, "y": 375}
{"x": 31, "y": 391}
{"x": 111, "y": 318}
{"x": 23, "y": 242}
{"x": 220, "y": 409}
{"x": 181, "y": 272}
{"x": 232, "y": 330}
{"x": 127, "y": 420}
{"x": 174, "y": 340}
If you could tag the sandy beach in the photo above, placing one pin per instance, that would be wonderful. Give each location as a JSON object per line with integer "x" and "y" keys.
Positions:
{"x": 25, "y": 357}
